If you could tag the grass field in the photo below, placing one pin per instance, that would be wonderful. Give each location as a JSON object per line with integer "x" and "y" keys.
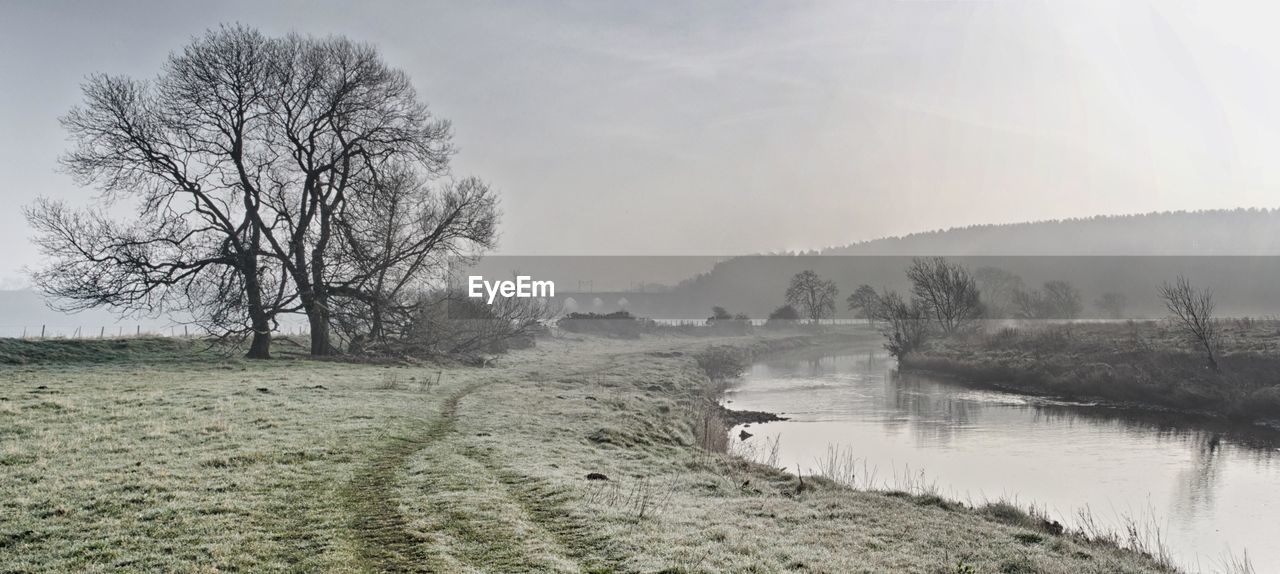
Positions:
{"x": 194, "y": 462}
{"x": 1149, "y": 363}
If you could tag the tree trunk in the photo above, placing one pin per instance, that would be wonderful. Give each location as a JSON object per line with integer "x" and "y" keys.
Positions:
{"x": 260, "y": 347}
{"x": 375, "y": 323}
{"x": 318, "y": 318}
{"x": 1213, "y": 361}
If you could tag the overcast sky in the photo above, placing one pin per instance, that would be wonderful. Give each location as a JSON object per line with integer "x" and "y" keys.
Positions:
{"x": 734, "y": 127}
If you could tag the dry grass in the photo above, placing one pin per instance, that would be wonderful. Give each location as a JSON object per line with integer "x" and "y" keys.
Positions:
{"x": 298, "y": 466}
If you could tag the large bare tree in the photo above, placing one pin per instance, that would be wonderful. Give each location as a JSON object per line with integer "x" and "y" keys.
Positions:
{"x": 333, "y": 112}
{"x": 166, "y": 149}
{"x": 243, "y": 158}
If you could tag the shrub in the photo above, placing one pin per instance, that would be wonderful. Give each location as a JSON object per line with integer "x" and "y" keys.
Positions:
{"x": 784, "y": 316}
{"x": 722, "y": 323}
{"x": 1008, "y": 513}
{"x": 722, "y": 363}
{"x": 905, "y": 324}
{"x": 616, "y": 324}
{"x": 449, "y": 323}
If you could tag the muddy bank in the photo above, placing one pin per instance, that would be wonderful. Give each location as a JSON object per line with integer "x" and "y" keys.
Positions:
{"x": 733, "y": 418}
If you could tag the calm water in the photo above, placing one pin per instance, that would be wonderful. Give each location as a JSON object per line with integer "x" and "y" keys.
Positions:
{"x": 1210, "y": 487}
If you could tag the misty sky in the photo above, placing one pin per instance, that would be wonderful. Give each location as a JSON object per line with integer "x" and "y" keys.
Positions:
{"x": 734, "y": 127}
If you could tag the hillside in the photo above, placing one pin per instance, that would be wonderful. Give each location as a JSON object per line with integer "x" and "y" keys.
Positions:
{"x": 1216, "y": 232}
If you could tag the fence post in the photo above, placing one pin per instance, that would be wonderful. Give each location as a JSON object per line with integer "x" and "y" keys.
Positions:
{"x": 42, "y": 331}
{"x": 138, "y": 332}
{"x": 102, "y": 331}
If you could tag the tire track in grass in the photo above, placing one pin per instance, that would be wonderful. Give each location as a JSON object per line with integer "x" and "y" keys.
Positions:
{"x": 546, "y": 506}
{"x": 384, "y": 541}
{"x": 481, "y": 522}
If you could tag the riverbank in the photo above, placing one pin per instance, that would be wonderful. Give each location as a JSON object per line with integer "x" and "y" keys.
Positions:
{"x": 579, "y": 455}
{"x": 1135, "y": 364}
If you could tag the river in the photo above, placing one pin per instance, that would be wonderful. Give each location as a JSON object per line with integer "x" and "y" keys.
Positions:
{"x": 1207, "y": 488}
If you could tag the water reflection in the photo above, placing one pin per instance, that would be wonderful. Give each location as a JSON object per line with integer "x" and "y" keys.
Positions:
{"x": 1208, "y": 483}
{"x": 1197, "y": 483}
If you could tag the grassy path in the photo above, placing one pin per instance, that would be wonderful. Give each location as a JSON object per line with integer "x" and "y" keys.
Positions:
{"x": 385, "y": 543}
{"x": 528, "y": 512}
{"x": 543, "y": 504}
{"x": 482, "y": 515}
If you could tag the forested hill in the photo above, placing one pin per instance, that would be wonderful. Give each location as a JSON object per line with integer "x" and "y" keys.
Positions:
{"x": 1030, "y": 251}
{"x": 1217, "y": 232}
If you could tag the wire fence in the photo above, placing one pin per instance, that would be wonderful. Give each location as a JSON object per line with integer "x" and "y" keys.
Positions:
{"x": 116, "y": 331}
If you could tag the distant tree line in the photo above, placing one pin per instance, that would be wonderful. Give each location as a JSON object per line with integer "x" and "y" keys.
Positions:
{"x": 946, "y": 299}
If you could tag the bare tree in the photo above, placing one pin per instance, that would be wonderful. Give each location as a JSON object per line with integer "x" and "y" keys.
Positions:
{"x": 1112, "y": 304}
{"x": 947, "y": 292}
{"x": 905, "y": 324}
{"x": 1192, "y": 309}
{"x": 812, "y": 295}
{"x": 333, "y": 115}
{"x": 864, "y": 299}
{"x": 167, "y": 148}
{"x": 248, "y": 159}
